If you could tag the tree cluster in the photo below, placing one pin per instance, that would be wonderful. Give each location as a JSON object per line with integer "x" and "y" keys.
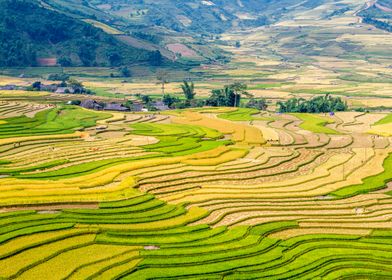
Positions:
{"x": 319, "y": 104}
{"x": 378, "y": 24}
{"x": 229, "y": 96}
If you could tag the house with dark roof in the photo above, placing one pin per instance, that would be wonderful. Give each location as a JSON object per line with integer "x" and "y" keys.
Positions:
{"x": 8, "y": 87}
{"x": 51, "y": 88}
{"x": 137, "y": 107}
{"x": 91, "y": 104}
{"x": 115, "y": 107}
{"x": 159, "y": 105}
{"x": 65, "y": 90}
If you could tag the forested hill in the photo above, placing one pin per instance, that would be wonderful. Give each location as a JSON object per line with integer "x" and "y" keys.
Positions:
{"x": 379, "y": 14}
{"x": 29, "y": 31}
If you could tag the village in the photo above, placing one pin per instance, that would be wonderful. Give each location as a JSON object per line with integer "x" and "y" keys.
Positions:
{"x": 77, "y": 88}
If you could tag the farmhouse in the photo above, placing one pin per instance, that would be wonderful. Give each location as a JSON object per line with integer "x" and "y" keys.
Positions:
{"x": 8, "y": 87}
{"x": 91, "y": 104}
{"x": 160, "y": 106}
{"x": 51, "y": 88}
{"x": 65, "y": 90}
{"x": 137, "y": 107}
{"x": 115, "y": 107}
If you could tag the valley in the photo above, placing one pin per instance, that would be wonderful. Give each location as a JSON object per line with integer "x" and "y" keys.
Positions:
{"x": 197, "y": 140}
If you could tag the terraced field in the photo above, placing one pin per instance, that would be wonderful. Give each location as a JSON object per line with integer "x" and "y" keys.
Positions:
{"x": 214, "y": 193}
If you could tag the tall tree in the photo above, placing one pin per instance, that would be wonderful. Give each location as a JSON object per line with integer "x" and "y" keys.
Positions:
{"x": 239, "y": 90}
{"x": 189, "y": 90}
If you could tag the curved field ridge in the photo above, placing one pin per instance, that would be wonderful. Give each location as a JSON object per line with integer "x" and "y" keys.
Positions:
{"x": 316, "y": 124}
{"x": 242, "y": 114}
{"x": 211, "y": 193}
{"x": 144, "y": 238}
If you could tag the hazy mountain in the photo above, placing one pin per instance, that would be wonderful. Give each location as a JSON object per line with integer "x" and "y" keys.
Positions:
{"x": 116, "y": 32}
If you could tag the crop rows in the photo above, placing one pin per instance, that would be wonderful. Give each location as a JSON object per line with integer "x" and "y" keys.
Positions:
{"x": 192, "y": 194}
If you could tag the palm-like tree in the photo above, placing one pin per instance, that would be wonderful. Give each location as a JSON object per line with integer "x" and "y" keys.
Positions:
{"x": 189, "y": 90}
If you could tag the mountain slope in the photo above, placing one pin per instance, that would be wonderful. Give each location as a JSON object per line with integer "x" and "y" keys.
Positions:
{"x": 186, "y": 30}
{"x": 28, "y": 32}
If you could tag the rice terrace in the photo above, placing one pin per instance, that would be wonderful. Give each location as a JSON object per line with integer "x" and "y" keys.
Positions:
{"x": 218, "y": 140}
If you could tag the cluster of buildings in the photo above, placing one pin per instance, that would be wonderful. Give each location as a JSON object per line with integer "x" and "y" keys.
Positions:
{"x": 135, "y": 107}
{"x": 56, "y": 88}
{"x": 90, "y": 103}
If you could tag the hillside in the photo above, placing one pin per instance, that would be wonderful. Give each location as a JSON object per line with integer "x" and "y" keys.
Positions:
{"x": 30, "y": 33}
{"x": 379, "y": 14}
{"x": 192, "y": 30}
{"x": 118, "y": 32}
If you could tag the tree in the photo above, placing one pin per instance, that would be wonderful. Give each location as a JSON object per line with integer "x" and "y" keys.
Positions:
{"x": 125, "y": 72}
{"x": 169, "y": 100}
{"x": 87, "y": 53}
{"x": 216, "y": 98}
{"x": 76, "y": 85}
{"x": 222, "y": 97}
{"x": 36, "y": 85}
{"x": 319, "y": 104}
{"x": 64, "y": 61}
{"x": 128, "y": 104}
{"x": 189, "y": 90}
{"x": 239, "y": 90}
{"x": 155, "y": 58}
{"x": 114, "y": 57}
{"x": 162, "y": 77}
{"x": 146, "y": 99}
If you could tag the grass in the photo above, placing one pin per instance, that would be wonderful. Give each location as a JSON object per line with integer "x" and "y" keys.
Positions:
{"x": 105, "y": 92}
{"x": 62, "y": 120}
{"x": 34, "y": 256}
{"x": 267, "y": 86}
{"x": 67, "y": 262}
{"x": 315, "y": 123}
{"x": 184, "y": 251}
{"x": 369, "y": 184}
{"x": 386, "y": 120}
{"x": 241, "y": 114}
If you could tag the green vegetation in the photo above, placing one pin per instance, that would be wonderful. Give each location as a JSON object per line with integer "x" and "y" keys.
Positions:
{"x": 176, "y": 140}
{"x": 28, "y": 32}
{"x": 189, "y": 90}
{"x": 241, "y": 114}
{"x": 369, "y": 184}
{"x": 225, "y": 191}
{"x": 123, "y": 230}
{"x": 319, "y": 104}
{"x": 315, "y": 123}
{"x": 229, "y": 96}
{"x": 105, "y": 92}
{"x": 165, "y": 248}
{"x": 62, "y": 120}
{"x": 386, "y": 120}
